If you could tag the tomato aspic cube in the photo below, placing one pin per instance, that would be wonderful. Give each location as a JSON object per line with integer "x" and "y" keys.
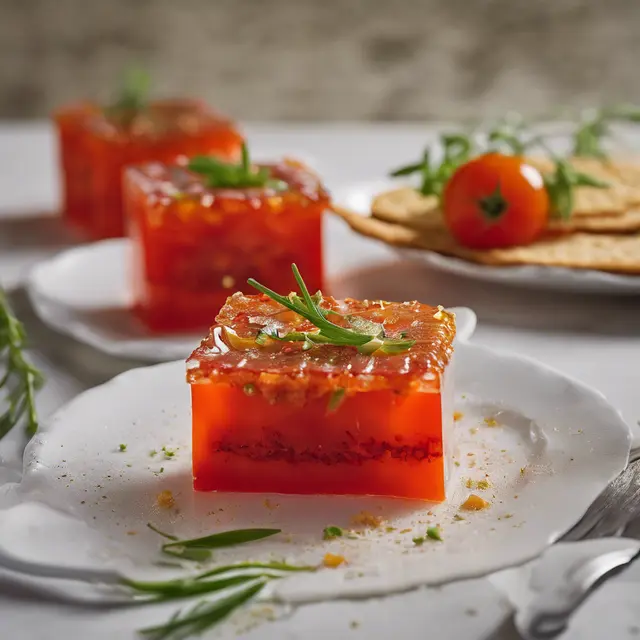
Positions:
{"x": 193, "y": 244}
{"x": 298, "y": 417}
{"x": 97, "y": 143}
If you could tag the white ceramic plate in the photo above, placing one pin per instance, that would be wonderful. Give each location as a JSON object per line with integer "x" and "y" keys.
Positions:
{"x": 556, "y": 445}
{"x": 358, "y": 197}
{"x": 85, "y": 292}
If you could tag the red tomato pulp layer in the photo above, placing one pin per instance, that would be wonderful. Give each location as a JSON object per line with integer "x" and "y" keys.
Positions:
{"x": 96, "y": 144}
{"x": 192, "y": 244}
{"x": 328, "y": 420}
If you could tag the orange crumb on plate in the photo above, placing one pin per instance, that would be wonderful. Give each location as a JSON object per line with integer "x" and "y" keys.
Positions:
{"x": 165, "y": 500}
{"x": 366, "y": 519}
{"x": 332, "y": 560}
{"x": 474, "y": 503}
{"x": 457, "y": 415}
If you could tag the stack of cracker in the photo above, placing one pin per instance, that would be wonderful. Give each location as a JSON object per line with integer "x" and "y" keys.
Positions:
{"x": 603, "y": 232}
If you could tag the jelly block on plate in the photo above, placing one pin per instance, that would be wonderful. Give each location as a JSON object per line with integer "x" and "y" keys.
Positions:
{"x": 289, "y": 417}
{"x": 97, "y": 143}
{"x": 194, "y": 244}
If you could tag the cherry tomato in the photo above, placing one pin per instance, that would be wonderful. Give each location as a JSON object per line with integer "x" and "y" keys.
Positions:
{"x": 495, "y": 201}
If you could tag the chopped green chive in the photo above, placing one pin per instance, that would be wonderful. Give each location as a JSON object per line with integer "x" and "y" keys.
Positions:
{"x": 330, "y": 533}
{"x": 434, "y": 533}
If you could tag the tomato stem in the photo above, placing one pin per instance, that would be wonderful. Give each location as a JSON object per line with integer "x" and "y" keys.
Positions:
{"x": 494, "y": 205}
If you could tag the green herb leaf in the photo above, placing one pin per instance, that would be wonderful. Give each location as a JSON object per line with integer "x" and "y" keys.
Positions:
{"x": 330, "y": 533}
{"x": 219, "y": 174}
{"x": 155, "y": 529}
{"x": 203, "y": 616}
{"x": 186, "y": 553}
{"x": 20, "y": 379}
{"x": 329, "y": 333}
{"x": 560, "y": 187}
{"x": 418, "y": 541}
{"x": 224, "y": 539}
{"x": 434, "y": 533}
{"x": 122, "y": 447}
{"x": 244, "y": 566}
{"x": 184, "y": 588}
{"x": 456, "y": 150}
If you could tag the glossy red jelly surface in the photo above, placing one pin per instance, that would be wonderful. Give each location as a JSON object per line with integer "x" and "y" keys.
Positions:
{"x": 194, "y": 245}
{"x": 96, "y": 144}
{"x": 329, "y": 420}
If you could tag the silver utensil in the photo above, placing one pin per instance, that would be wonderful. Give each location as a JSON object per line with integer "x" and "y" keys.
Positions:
{"x": 616, "y": 512}
{"x": 616, "y": 506}
{"x": 548, "y": 615}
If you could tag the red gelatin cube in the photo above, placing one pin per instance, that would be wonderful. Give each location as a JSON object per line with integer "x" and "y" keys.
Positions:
{"x": 97, "y": 144}
{"x": 193, "y": 244}
{"x": 328, "y": 420}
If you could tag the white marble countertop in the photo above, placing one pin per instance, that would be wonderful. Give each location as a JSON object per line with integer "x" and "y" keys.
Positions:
{"x": 594, "y": 339}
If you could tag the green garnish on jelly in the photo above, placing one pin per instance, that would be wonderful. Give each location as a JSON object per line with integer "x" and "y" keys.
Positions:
{"x": 219, "y": 174}
{"x": 368, "y": 337}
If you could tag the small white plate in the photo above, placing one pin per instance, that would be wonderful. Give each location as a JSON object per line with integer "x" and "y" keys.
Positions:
{"x": 358, "y": 197}
{"x": 86, "y": 293}
{"x": 556, "y": 445}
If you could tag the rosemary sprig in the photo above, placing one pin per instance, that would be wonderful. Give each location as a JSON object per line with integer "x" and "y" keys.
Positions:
{"x": 457, "y": 149}
{"x": 21, "y": 379}
{"x": 203, "y": 615}
{"x": 220, "y": 174}
{"x": 307, "y": 306}
{"x": 206, "y": 614}
{"x": 199, "y": 549}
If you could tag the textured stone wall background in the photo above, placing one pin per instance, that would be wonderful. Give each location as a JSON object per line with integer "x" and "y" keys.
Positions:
{"x": 327, "y": 59}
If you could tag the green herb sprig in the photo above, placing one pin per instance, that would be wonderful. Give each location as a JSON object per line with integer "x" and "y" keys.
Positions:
{"x": 203, "y": 615}
{"x": 199, "y": 549}
{"x": 367, "y": 337}
{"x": 219, "y": 174}
{"x": 457, "y": 149}
{"x": 561, "y": 184}
{"x": 21, "y": 380}
{"x": 251, "y": 576}
{"x": 242, "y": 581}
